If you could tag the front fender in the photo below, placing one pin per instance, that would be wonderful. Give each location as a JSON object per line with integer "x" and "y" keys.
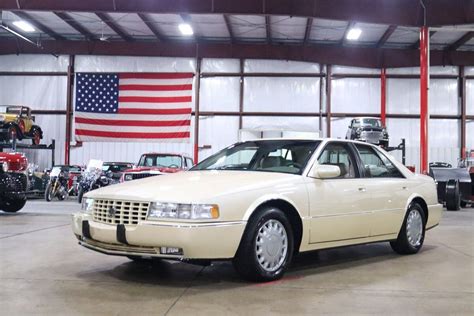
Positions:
{"x": 266, "y": 198}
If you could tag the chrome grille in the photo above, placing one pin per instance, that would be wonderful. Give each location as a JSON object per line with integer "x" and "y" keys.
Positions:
{"x": 124, "y": 212}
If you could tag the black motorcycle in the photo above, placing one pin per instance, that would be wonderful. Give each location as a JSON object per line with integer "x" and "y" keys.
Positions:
{"x": 57, "y": 185}
{"x": 93, "y": 179}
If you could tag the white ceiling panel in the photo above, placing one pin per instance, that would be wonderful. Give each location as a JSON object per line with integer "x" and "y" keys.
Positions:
{"x": 167, "y": 24}
{"x": 53, "y": 22}
{"x": 131, "y": 24}
{"x": 93, "y": 23}
{"x": 327, "y": 30}
{"x": 8, "y": 18}
{"x": 404, "y": 35}
{"x": 288, "y": 28}
{"x": 210, "y": 25}
{"x": 370, "y": 32}
{"x": 248, "y": 26}
{"x": 446, "y": 37}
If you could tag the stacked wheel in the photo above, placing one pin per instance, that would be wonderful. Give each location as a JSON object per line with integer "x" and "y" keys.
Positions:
{"x": 453, "y": 195}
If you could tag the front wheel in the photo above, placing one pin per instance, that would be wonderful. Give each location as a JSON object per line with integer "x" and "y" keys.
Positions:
{"x": 48, "y": 194}
{"x": 80, "y": 193}
{"x": 12, "y": 206}
{"x": 412, "y": 234}
{"x": 36, "y": 139}
{"x": 266, "y": 247}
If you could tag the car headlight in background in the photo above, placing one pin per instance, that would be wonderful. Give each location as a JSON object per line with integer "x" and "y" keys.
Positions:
{"x": 159, "y": 210}
{"x": 5, "y": 166}
{"x": 128, "y": 177}
{"x": 87, "y": 204}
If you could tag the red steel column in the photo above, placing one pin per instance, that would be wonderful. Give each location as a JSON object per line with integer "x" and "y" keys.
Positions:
{"x": 424, "y": 86}
{"x": 383, "y": 105}
{"x": 196, "y": 111}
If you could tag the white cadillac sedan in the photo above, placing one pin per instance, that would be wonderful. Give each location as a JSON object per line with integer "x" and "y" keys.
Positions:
{"x": 261, "y": 202}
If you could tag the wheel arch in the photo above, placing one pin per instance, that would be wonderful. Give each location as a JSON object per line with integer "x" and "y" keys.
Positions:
{"x": 421, "y": 201}
{"x": 38, "y": 128}
{"x": 285, "y": 205}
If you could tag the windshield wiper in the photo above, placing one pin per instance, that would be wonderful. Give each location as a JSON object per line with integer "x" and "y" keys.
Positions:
{"x": 230, "y": 167}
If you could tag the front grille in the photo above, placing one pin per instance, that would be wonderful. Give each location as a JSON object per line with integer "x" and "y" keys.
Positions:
{"x": 124, "y": 212}
{"x": 142, "y": 175}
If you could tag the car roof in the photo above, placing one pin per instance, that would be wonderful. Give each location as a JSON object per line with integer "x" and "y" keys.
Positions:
{"x": 322, "y": 139}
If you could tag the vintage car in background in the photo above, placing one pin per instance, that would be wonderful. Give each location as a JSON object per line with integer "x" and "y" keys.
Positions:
{"x": 368, "y": 129}
{"x": 455, "y": 185}
{"x": 18, "y": 123}
{"x": 117, "y": 169}
{"x": 260, "y": 202}
{"x": 153, "y": 164}
{"x": 13, "y": 181}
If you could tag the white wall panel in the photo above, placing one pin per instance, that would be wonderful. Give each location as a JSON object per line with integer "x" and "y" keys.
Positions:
{"x": 435, "y": 70}
{"x": 218, "y": 132}
{"x": 37, "y": 92}
{"x": 470, "y": 97}
{"x": 33, "y": 63}
{"x": 339, "y": 126}
{"x": 220, "y": 65}
{"x": 281, "y": 94}
{"x": 219, "y": 94}
{"x": 134, "y": 64}
{"x": 309, "y": 124}
{"x": 410, "y": 130}
{"x": 443, "y": 97}
{"x": 287, "y": 66}
{"x": 403, "y": 96}
{"x": 469, "y": 71}
{"x": 354, "y": 70}
{"x": 355, "y": 95}
{"x": 470, "y": 135}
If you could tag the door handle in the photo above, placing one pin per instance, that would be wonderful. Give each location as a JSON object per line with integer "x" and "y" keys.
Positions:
{"x": 362, "y": 189}
{"x": 404, "y": 188}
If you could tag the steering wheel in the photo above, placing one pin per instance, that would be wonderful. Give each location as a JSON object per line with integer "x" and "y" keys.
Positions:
{"x": 294, "y": 164}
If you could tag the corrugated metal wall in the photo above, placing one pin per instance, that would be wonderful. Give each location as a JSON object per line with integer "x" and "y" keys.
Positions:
{"x": 261, "y": 94}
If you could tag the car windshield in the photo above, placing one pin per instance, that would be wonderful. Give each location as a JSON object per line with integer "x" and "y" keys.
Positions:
{"x": 286, "y": 156}
{"x": 153, "y": 160}
{"x": 371, "y": 122}
{"x": 14, "y": 109}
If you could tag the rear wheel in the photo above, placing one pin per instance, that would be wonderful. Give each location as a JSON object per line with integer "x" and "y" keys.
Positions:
{"x": 266, "y": 247}
{"x": 12, "y": 206}
{"x": 412, "y": 234}
{"x": 453, "y": 196}
{"x": 36, "y": 137}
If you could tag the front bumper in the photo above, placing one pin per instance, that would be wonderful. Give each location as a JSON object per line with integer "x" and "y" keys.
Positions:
{"x": 197, "y": 240}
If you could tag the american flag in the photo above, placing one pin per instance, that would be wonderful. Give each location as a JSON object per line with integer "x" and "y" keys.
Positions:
{"x": 133, "y": 107}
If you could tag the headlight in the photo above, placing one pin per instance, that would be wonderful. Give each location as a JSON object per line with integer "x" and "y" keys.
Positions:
{"x": 5, "y": 166}
{"x": 87, "y": 205}
{"x": 160, "y": 210}
{"x": 128, "y": 177}
{"x": 2, "y": 117}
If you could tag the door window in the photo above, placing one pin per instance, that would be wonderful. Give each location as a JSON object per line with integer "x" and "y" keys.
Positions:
{"x": 375, "y": 165}
{"x": 338, "y": 154}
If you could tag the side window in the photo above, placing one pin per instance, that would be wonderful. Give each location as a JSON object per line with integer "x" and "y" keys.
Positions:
{"x": 376, "y": 166}
{"x": 338, "y": 154}
{"x": 190, "y": 162}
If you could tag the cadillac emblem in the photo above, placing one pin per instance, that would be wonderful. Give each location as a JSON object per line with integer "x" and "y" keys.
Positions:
{"x": 111, "y": 212}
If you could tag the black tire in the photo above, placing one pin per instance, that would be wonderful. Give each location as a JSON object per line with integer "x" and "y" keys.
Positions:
{"x": 246, "y": 261}
{"x": 47, "y": 193}
{"x": 12, "y": 206}
{"x": 403, "y": 245}
{"x": 36, "y": 136}
{"x": 453, "y": 196}
{"x": 463, "y": 204}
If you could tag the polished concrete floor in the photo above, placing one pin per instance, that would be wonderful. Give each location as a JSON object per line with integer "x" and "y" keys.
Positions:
{"x": 44, "y": 271}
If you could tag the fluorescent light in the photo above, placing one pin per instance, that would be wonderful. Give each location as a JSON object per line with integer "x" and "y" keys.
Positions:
{"x": 353, "y": 34}
{"x": 186, "y": 29}
{"x": 24, "y": 26}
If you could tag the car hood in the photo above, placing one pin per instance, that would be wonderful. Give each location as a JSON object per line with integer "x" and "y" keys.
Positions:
{"x": 9, "y": 116}
{"x": 193, "y": 186}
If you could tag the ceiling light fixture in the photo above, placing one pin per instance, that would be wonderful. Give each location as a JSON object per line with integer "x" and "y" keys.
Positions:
{"x": 24, "y": 26}
{"x": 353, "y": 34}
{"x": 186, "y": 29}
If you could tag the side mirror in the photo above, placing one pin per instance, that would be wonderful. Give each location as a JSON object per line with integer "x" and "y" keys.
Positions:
{"x": 325, "y": 171}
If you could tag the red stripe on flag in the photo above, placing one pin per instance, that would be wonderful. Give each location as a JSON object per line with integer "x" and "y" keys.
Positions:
{"x": 162, "y": 75}
{"x": 155, "y": 111}
{"x": 145, "y": 87}
{"x": 132, "y": 123}
{"x": 85, "y": 132}
{"x": 155, "y": 99}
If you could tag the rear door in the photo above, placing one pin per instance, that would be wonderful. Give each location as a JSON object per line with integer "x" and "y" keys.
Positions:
{"x": 388, "y": 188}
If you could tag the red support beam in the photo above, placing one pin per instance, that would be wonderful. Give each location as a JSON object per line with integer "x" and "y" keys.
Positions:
{"x": 328, "y": 100}
{"x": 69, "y": 111}
{"x": 196, "y": 111}
{"x": 424, "y": 86}
{"x": 383, "y": 91}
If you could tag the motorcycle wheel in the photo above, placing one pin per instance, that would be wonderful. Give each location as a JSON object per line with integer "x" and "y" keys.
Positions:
{"x": 48, "y": 196}
{"x": 80, "y": 193}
